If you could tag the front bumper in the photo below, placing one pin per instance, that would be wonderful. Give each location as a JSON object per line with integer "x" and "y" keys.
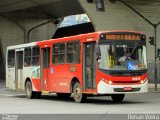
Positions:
{"x": 104, "y": 88}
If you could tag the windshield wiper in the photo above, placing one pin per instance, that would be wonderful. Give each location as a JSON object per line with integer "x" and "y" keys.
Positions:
{"x": 136, "y": 45}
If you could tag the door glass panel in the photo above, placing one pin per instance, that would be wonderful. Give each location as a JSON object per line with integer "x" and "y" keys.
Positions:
{"x": 45, "y": 65}
{"x": 90, "y": 61}
{"x": 46, "y": 58}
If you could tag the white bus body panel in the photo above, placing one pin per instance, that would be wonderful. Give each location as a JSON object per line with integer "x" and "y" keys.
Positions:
{"x": 10, "y": 78}
{"x": 22, "y": 74}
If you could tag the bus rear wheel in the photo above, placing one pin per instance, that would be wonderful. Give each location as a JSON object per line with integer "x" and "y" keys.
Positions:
{"x": 117, "y": 97}
{"x": 79, "y": 97}
{"x": 28, "y": 88}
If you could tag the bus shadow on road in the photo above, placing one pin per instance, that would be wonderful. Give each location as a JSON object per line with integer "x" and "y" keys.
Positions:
{"x": 108, "y": 101}
{"x": 56, "y": 98}
{"x": 90, "y": 100}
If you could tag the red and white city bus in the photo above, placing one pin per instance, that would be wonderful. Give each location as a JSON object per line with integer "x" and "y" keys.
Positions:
{"x": 85, "y": 65}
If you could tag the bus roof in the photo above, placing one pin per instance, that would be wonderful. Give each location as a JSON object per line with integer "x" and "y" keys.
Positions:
{"x": 83, "y": 36}
{"x": 76, "y": 37}
{"x": 22, "y": 45}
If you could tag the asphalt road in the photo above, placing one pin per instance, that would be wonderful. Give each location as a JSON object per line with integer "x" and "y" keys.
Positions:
{"x": 15, "y": 102}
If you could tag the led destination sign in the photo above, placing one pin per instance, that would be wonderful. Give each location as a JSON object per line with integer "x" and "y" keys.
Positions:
{"x": 122, "y": 37}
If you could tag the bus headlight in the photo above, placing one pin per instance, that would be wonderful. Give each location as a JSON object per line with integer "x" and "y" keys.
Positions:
{"x": 110, "y": 82}
{"x": 143, "y": 81}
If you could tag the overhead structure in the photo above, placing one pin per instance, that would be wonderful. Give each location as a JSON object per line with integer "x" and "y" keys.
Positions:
{"x": 61, "y": 8}
{"x": 20, "y": 11}
{"x": 52, "y": 8}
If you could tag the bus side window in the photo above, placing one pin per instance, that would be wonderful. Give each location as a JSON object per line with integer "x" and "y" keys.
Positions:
{"x": 27, "y": 57}
{"x": 35, "y": 56}
{"x": 11, "y": 58}
{"x": 73, "y": 52}
{"x": 58, "y": 53}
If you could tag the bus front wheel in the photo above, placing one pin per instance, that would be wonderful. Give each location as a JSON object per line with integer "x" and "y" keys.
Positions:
{"x": 117, "y": 97}
{"x": 79, "y": 97}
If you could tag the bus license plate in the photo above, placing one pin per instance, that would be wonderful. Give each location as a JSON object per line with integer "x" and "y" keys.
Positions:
{"x": 127, "y": 88}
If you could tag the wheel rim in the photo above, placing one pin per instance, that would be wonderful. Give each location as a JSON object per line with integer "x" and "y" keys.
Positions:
{"x": 28, "y": 89}
{"x": 77, "y": 94}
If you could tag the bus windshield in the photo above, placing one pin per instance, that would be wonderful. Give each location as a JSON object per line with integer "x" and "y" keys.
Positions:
{"x": 122, "y": 57}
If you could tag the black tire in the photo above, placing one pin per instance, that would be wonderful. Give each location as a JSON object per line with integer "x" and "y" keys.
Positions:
{"x": 28, "y": 88}
{"x": 63, "y": 95}
{"x": 79, "y": 97}
{"x": 117, "y": 97}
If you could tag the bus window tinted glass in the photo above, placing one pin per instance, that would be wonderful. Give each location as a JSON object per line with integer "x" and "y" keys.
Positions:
{"x": 11, "y": 58}
{"x": 35, "y": 56}
{"x": 58, "y": 56}
{"x": 27, "y": 57}
{"x": 73, "y": 52}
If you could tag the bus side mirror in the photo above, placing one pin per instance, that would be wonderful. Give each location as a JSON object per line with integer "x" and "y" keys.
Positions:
{"x": 98, "y": 52}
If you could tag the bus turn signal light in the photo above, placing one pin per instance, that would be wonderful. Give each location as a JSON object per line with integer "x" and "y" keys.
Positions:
{"x": 143, "y": 81}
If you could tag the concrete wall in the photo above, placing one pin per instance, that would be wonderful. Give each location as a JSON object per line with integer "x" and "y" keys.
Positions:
{"x": 11, "y": 34}
{"x": 41, "y": 33}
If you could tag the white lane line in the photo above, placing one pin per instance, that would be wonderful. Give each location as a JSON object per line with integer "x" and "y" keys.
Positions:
{"x": 8, "y": 95}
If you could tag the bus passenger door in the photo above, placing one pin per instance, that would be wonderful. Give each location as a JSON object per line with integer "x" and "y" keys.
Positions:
{"x": 45, "y": 65}
{"x": 19, "y": 70}
{"x": 89, "y": 65}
